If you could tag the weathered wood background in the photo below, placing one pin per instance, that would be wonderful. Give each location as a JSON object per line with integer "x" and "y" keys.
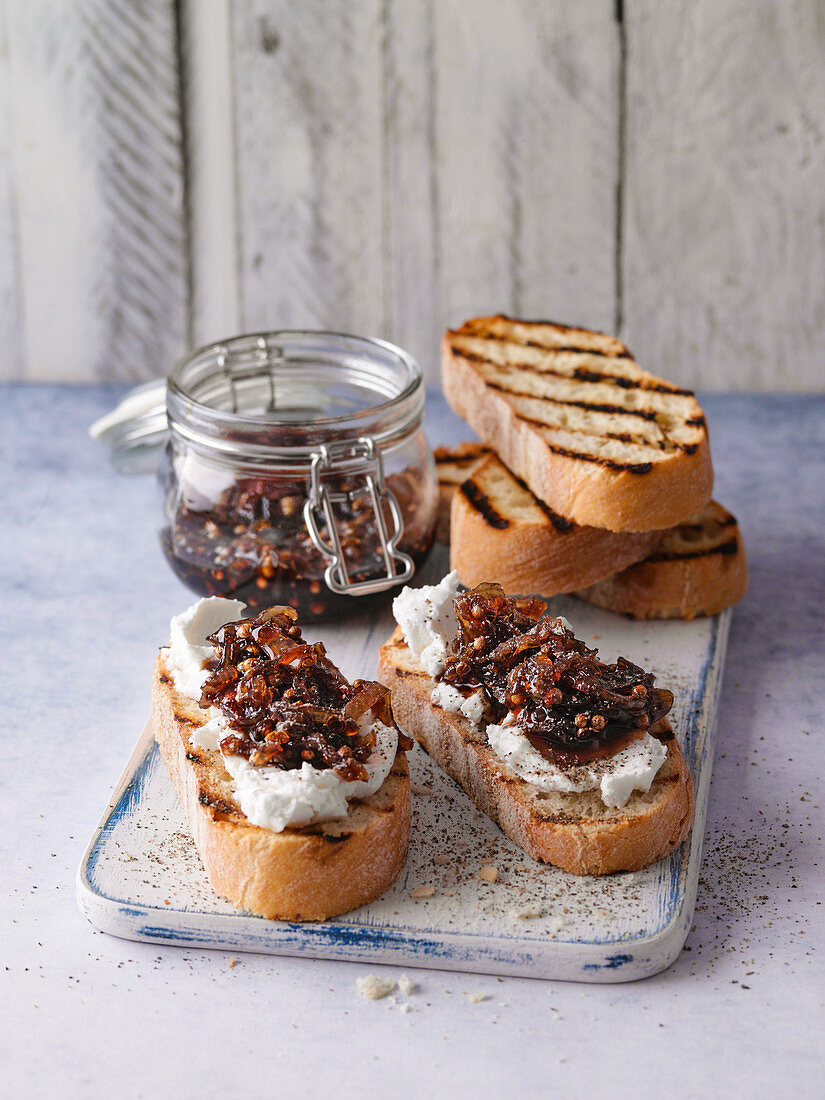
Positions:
{"x": 172, "y": 171}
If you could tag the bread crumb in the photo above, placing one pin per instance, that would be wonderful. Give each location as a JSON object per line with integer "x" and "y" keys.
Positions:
{"x": 405, "y": 1008}
{"x": 407, "y": 985}
{"x": 525, "y": 912}
{"x": 477, "y": 998}
{"x": 416, "y": 788}
{"x": 373, "y": 988}
{"x": 423, "y": 892}
{"x": 489, "y": 872}
{"x": 441, "y": 858}
{"x": 230, "y": 961}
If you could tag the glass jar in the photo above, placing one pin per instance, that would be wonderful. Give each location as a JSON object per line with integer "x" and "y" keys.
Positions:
{"x": 296, "y": 471}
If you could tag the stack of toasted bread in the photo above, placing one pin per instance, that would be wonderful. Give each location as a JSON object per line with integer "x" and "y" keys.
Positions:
{"x": 592, "y": 476}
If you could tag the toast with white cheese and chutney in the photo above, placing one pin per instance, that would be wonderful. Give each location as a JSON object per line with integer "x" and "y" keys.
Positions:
{"x": 294, "y": 782}
{"x": 574, "y": 759}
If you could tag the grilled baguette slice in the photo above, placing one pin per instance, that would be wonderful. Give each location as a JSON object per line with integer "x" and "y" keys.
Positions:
{"x": 453, "y": 465}
{"x": 500, "y": 529}
{"x": 576, "y": 832}
{"x": 598, "y": 439}
{"x": 699, "y": 568}
{"x": 312, "y": 873}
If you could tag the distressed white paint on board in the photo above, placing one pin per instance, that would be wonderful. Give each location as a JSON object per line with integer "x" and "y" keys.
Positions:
{"x": 95, "y": 164}
{"x": 724, "y": 250}
{"x": 10, "y": 318}
{"x": 210, "y": 149}
{"x": 392, "y": 167}
{"x": 502, "y": 158}
{"x": 403, "y": 166}
{"x": 308, "y": 128}
{"x": 526, "y": 155}
{"x": 412, "y": 282}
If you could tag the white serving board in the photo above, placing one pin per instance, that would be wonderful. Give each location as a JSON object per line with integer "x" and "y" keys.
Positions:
{"x": 141, "y": 877}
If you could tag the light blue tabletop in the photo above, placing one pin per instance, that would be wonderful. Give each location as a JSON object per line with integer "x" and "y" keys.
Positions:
{"x": 87, "y": 598}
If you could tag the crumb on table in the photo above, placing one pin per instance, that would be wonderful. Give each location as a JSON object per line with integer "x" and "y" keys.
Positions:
{"x": 373, "y": 988}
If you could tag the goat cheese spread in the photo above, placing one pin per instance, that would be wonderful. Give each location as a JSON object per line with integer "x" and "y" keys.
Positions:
{"x": 616, "y": 777}
{"x": 427, "y": 618}
{"x": 271, "y": 797}
{"x": 428, "y": 622}
{"x": 451, "y": 699}
{"x": 189, "y": 649}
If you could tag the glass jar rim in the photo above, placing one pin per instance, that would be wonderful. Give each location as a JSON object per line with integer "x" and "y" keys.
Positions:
{"x": 377, "y": 366}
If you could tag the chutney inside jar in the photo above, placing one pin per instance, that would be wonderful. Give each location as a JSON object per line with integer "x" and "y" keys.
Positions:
{"x": 239, "y": 470}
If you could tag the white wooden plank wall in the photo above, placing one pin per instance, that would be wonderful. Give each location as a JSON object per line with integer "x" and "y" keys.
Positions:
{"x": 519, "y": 102}
{"x": 10, "y": 318}
{"x": 309, "y": 163}
{"x": 724, "y": 230}
{"x": 94, "y": 167}
{"x": 391, "y": 167}
{"x": 390, "y": 175}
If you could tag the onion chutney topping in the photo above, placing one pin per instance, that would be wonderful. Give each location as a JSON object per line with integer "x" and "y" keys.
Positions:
{"x": 535, "y": 673}
{"x": 286, "y": 703}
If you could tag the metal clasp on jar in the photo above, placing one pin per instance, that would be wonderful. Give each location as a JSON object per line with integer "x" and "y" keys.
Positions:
{"x": 359, "y": 457}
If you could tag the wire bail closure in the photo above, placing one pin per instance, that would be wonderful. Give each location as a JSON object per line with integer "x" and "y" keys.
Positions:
{"x": 361, "y": 457}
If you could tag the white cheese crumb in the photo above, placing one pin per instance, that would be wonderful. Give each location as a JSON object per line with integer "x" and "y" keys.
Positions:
{"x": 423, "y": 892}
{"x": 427, "y": 618}
{"x": 454, "y": 702}
{"x": 489, "y": 872}
{"x": 477, "y": 998}
{"x": 405, "y": 1008}
{"x": 373, "y": 988}
{"x": 407, "y": 985}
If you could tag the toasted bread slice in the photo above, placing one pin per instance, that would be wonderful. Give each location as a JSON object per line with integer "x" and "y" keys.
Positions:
{"x": 312, "y": 873}
{"x": 699, "y": 568}
{"x": 599, "y": 440}
{"x": 453, "y": 465}
{"x": 576, "y": 832}
{"x": 500, "y": 529}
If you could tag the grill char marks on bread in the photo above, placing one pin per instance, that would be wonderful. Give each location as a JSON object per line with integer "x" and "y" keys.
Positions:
{"x": 500, "y": 529}
{"x": 310, "y": 873}
{"x": 453, "y": 465}
{"x": 575, "y": 832}
{"x": 602, "y": 442}
{"x": 699, "y": 568}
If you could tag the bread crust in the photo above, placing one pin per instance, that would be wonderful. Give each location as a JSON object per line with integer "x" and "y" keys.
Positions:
{"x": 531, "y": 554}
{"x": 589, "y": 492}
{"x": 312, "y": 873}
{"x": 681, "y": 580}
{"x": 574, "y": 832}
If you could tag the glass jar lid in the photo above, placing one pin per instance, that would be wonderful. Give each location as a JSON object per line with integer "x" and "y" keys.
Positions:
{"x": 274, "y": 398}
{"x": 269, "y": 396}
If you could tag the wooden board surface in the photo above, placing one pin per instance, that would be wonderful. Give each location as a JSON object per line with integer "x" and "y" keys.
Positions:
{"x": 141, "y": 877}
